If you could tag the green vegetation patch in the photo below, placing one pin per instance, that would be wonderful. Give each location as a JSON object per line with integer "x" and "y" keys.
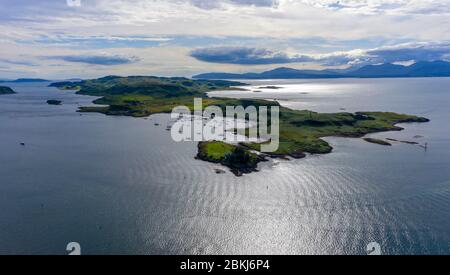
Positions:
{"x": 302, "y": 131}
{"x": 238, "y": 159}
{"x": 141, "y": 96}
{"x": 214, "y": 151}
{"x": 161, "y": 87}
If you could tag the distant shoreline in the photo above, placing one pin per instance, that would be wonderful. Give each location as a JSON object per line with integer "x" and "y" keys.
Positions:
{"x": 323, "y": 78}
{"x": 387, "y": 70}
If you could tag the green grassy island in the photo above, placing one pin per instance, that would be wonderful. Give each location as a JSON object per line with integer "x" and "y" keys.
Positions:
{"x": 6, "y": 91}
{"x": 300, "y": 130}
{"x": 237, "y": 158}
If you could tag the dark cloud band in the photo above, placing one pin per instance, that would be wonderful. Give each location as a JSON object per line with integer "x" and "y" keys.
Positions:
{"x": 98, "y": 59}
{"x": 257, "y": 56}
{"x": 245, "y": 56}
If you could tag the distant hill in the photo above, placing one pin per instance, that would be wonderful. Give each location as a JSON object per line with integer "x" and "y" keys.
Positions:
{"x": 279, "y": 73}
{"x": 384, "y": 70}
{"x": 25, "y": 80}
{"x": 437, "y": 68}
{"x": 419, "y": 69}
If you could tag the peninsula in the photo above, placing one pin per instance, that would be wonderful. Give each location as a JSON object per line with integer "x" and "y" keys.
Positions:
{"x": 301, "y": 131}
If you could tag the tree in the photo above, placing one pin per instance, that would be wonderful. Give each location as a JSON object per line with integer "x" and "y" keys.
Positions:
{"x": 239, "y": 157}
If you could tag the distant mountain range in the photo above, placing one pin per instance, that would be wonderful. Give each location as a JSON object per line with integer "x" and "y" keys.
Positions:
{"x": 25, "y": 80}
{"x": 419, "y": 69}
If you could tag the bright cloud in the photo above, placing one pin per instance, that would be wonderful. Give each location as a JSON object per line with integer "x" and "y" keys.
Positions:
{"x": 384, "y": 6}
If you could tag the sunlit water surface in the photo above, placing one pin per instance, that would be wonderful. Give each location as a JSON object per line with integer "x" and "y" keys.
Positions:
{"x": 120, "y": 185}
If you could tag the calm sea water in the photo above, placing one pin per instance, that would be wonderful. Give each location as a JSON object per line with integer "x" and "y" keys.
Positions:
{"x": 119, "y": 185}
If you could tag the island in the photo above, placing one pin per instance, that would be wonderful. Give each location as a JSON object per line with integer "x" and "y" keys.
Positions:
{"x": 54, "y": 102}
{"x": 301, "y": 131}
{"x": 270, "y": 87}
{"x": 237, "y": 158}
{"x": 6, "y": 91}
{"x": 25, "y": 80}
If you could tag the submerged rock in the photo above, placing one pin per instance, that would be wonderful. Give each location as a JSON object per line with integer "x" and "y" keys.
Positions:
{"x": 298, "y": 155}
{"x": 219, "y": 171}
{"x": 378, "y": 141}
{"x": 403, "y": 141}
{"x": 271, "y": 87}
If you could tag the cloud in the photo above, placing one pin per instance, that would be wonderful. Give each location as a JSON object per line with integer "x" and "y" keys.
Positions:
{"x": 100, "y": 41}
{"x": 215, "y": 4}
{"x": 407, "y": 52}
{"x": 261, "y": 56}
{"x": 245, "y": 56}
{"x": 399, "y": 7}
{"x": 253, "y": 18}
{"x": 358, "y": 57}
{"x": 354, "y": 6}
{"x": 17, "y": 62}
{"x": 97, "y": 59}
{"x": 303, "y": 33}
{"x": 258, "y": 3}
{"x": 412, "y": 51}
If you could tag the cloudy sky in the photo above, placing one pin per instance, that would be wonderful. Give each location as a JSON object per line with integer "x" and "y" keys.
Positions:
{"x": 90, "y": 38}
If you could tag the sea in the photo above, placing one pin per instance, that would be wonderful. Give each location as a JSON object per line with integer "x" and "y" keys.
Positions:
{"x": 121, "y": 185}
